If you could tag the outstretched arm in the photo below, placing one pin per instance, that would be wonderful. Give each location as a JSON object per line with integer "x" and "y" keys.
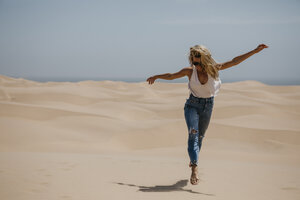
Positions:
{"x": 169, "y": 76}
{"x": 237, "y": 60}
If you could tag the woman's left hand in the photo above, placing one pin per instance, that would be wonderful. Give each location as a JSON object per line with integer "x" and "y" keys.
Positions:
{"x": 260, "y": 47}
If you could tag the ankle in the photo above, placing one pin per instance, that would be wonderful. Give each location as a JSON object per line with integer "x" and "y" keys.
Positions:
{"x": 193, "y": 165}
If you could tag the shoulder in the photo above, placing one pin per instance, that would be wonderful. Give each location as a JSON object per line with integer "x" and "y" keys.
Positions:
{"x": 219, "y": 66}
{"x": 187, "y": 70}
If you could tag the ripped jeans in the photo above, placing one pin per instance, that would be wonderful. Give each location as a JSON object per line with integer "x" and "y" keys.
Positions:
{"x": 197, "y": 113}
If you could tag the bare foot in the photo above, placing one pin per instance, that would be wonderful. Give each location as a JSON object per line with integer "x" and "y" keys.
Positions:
{"x": 194, "y": 176}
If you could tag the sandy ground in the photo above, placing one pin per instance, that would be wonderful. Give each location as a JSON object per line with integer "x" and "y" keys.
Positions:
{"x": 115, "y": 140}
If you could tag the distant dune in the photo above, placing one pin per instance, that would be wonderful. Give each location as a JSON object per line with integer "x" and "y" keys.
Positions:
{"x": 113, "y": 139}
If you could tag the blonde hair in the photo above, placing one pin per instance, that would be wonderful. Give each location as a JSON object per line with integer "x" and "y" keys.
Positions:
{"x": 207, "y": 61}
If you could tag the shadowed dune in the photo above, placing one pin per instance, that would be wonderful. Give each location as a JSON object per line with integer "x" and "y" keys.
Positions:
{"x": 63, "y": 140}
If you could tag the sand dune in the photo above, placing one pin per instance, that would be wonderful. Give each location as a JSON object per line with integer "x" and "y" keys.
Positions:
{"x": 112, "y": 139}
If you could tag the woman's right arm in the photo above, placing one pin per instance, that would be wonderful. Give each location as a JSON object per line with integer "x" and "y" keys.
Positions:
{"x": 169, "y": 76}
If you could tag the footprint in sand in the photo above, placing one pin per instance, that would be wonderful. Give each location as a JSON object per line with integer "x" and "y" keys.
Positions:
{"x": 44, "y": 183}
{"x": 66, "y": 197}
{"x": 34, "y": 190}
{"x": 66, "y": 169}
{"x": 68, "y": 166}
{"x": 48, "y": 175}
{"x": 63, "y": 163}
{"x": 289, "y": 188}
{"x": 44, "y": 171}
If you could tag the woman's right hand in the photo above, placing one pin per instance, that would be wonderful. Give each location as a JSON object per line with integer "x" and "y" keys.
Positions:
{"x": 151, "y": 79}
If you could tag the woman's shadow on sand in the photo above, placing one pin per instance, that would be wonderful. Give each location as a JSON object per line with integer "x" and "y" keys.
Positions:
{"x": 178, "y": 186}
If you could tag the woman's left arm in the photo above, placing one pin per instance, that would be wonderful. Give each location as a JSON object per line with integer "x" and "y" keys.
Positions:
{"x": 237, "y": 60}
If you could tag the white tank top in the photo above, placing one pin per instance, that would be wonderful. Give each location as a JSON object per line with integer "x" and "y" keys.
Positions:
{"x": 209, "y": 89}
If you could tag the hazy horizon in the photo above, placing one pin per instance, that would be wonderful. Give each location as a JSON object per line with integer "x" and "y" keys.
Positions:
{"x": 141, "y": 79}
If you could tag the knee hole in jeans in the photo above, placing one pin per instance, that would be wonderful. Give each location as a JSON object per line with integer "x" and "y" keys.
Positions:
{"x": 193, "y": 131}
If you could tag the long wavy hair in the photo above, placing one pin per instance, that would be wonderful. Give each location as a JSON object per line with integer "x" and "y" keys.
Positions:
{"x": 207, "y": 61}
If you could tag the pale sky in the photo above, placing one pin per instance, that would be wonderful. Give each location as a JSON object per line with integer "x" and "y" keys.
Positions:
{"x": 136, "y": 39}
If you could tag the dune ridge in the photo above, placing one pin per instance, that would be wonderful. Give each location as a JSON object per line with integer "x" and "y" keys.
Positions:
{"x": 58, "y": 130}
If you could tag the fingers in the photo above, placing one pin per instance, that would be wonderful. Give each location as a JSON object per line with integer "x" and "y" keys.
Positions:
{"x": 150, "y": 80}
{"x": 262, "y": 46}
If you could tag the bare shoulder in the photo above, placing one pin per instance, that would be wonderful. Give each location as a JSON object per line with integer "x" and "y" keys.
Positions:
{"x": 219, "y": 66}
{"x": 187, "y": 70}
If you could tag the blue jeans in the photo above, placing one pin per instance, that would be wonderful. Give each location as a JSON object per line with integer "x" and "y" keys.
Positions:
{"x": 197, "y": 112}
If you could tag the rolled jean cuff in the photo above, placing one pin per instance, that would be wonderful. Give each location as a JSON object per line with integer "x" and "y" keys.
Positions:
{"x": 193, "y": 163}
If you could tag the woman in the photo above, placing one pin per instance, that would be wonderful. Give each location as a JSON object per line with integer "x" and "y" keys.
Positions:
{"x": 204, "y": 84}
